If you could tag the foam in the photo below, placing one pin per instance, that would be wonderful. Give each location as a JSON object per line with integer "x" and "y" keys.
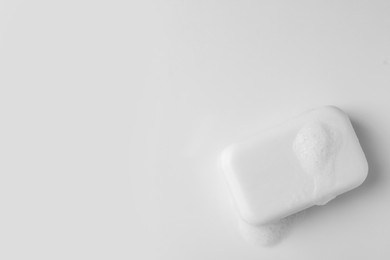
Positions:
{"x": 315, "y": 146}
{"x": 270, "y": 234}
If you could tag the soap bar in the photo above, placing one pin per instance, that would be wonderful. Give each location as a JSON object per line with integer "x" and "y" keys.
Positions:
{"x": 306, "y": 161}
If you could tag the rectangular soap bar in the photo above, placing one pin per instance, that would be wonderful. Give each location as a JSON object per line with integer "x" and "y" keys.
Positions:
{"x": 306, "y": 161}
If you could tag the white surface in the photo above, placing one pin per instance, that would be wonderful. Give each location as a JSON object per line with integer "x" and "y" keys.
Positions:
{"x": 113, "y": 115}
{"x": 305, "y": 161}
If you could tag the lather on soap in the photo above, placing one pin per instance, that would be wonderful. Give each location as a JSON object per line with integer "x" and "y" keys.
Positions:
{"x": 307, "y": 161}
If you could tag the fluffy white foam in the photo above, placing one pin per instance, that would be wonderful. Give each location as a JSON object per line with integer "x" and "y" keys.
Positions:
{"x": 265, "y": 235}
{"x": 313, "y": 146}
{"x": 270, "y": 234}
{"x": 316, "y": 146}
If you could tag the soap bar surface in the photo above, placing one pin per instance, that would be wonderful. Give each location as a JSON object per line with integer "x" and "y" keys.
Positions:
{"x": 307, "y": 161}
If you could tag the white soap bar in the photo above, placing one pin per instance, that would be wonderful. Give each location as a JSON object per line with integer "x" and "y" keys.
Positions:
{"x": 306, "y": 161}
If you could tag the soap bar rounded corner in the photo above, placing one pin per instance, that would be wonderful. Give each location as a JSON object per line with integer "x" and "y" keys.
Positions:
{"x": 364, "y": 172}
{"x": 334, "y": 108}
{"x": 365, "y": 167}
{"x": 226, "y": 154}
{"x": 251, "y": 218}
{"x": 331, "y": 108}
{"x": 226, "y": 158}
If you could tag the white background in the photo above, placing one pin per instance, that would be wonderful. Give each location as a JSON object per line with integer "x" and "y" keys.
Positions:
{"x": 113, "y": 115}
